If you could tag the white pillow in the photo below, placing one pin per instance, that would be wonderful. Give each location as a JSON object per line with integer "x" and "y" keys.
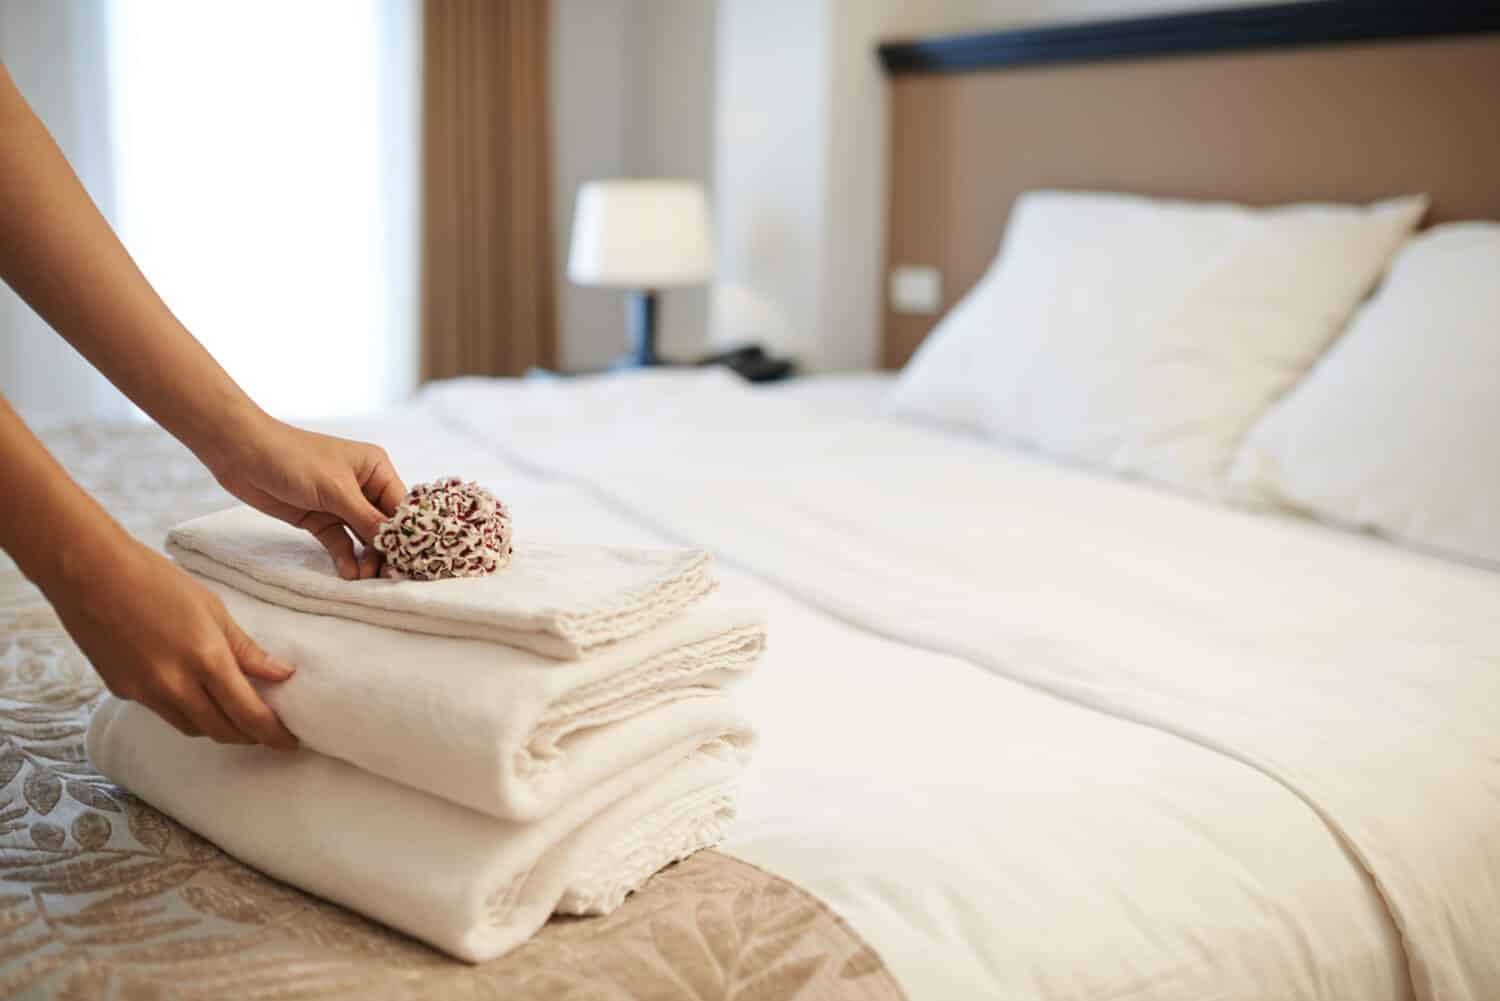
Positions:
{"x": 1398, "y": 428}
{"x": 1146, "y": 336}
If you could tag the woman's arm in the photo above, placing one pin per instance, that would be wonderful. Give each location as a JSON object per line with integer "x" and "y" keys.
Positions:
{"x": 60, "y": 255}
{"x": 153, "y": 634}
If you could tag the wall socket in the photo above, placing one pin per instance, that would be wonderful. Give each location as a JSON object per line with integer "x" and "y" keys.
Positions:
{"x": 916, "y": 290}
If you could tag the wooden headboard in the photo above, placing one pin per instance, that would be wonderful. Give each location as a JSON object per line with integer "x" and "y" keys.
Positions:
{"x": 1328, "y": 101}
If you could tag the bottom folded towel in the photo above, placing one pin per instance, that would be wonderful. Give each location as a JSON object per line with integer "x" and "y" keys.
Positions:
{"x": 469, "y": 884}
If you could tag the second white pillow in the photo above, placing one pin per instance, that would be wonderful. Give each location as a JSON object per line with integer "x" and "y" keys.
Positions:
{"x": 1397, "y": 429}
{"x": 1145, "y": 336}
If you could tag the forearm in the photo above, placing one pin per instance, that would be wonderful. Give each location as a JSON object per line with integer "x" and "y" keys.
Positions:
{"x": 52, "y": 529}
{"x": 152, "y": 633}
{"x": 60, "y": 255}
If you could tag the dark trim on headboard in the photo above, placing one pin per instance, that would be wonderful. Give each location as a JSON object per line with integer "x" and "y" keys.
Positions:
{"x": 1317, "y": 22}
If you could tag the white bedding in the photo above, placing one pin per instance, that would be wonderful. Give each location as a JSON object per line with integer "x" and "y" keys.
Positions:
{"x": 991, "y": 839}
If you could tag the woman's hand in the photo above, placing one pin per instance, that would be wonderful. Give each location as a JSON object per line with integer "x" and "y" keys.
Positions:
{"x": 158, "y": 637}
{"x": 329, "y": 486}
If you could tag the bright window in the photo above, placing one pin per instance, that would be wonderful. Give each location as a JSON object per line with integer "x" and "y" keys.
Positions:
{"x": 265, "y": 169}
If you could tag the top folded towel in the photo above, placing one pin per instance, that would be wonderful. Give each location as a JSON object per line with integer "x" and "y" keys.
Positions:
{"x": 557, "y": 600}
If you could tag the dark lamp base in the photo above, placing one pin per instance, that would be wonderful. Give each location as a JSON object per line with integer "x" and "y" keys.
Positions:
{"x": 640, "y": 321}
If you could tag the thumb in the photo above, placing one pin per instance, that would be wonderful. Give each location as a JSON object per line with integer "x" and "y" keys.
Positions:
{"x": 254, "y": 661}
{"x": 356, "y": 511}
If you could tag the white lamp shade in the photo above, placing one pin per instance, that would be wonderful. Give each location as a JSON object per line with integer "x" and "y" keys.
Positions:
{"x": 640, "y": 234}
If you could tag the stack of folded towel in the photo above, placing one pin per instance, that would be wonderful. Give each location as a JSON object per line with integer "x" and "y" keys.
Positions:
{"x": 478, "y": 754}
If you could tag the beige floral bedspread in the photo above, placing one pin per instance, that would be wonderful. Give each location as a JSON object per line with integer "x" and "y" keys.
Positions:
{"x": 102, "y": 897}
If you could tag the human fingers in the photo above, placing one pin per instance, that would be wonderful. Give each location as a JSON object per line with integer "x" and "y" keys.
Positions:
{"x": 329, "y": 530}
{"x": 380, "y": 494}
{"x": 382, "y": 485}
{"x": 249, "y": 656}
{"x": 238, "y": 698}
{"x": 370, "y": 561}
{"x": 194, "y": 701}
{"x": 243, "y": 707}
{"x": 174, "y": 718}
{"x": 355, "y": 510}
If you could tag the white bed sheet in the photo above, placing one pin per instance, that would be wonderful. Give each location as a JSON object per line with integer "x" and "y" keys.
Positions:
{"x": 1362, "y": 676}
{"x": 988, "y": 839}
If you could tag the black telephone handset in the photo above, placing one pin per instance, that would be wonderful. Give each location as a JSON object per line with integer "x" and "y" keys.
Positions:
{"x": 753, "y": 364}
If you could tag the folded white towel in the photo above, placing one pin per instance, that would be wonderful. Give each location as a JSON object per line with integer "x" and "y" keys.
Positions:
{"x": 469, "y": 884}
{"x": 557, "y": 600}
{"x": 504, "y": 731}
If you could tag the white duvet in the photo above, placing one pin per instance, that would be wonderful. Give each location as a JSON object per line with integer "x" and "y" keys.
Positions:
{"x": 1038, "y": 734}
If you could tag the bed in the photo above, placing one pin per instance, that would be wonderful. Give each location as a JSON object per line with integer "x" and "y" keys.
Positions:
{"x": 1027, "y": 731}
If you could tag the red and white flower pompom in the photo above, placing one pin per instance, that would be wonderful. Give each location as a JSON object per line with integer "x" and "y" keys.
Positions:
{"x": 446, "y": 528}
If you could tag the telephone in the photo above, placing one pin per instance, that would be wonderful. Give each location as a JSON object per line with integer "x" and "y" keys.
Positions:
{"x": 752, "y": 363}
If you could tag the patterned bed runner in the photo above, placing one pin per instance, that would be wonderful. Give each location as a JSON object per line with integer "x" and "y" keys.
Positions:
{"x": 101, "y": 897}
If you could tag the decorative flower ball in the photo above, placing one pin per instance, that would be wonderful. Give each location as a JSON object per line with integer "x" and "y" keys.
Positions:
{"x": 446, "y": 528}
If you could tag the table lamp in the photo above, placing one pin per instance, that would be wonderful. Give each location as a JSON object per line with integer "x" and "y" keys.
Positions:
{"x": 643, "y": 236}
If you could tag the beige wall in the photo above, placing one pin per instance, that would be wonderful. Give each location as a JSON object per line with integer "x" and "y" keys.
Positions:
{"x": 671, "y": 134}
{"x": 800, "y": 167}
{"x": 632, "y": 96}
{"x": 771, "y": 169}
{"x": 590, "y": 56}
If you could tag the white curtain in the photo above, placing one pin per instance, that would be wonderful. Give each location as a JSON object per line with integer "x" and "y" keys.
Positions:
{"x": 265, "y": 159}
{"x": 57, "y": 55}
{"x": 259, "y": 159}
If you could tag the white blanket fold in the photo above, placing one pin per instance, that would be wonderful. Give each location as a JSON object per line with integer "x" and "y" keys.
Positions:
{"x": 558, "y": 600}
{"x": 507, "y": 732}
{"x": 469, "y": 884}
